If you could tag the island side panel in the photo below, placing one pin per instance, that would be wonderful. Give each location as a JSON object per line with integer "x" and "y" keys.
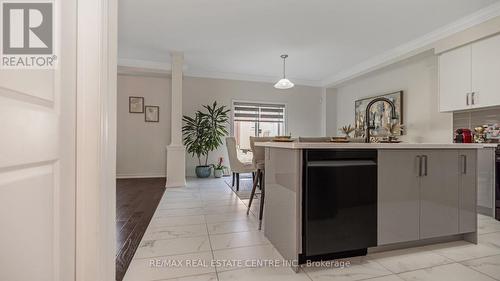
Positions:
{"x": 282, "y": 200}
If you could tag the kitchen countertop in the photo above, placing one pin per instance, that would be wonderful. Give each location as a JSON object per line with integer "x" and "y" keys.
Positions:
{"x": 328, "y": 145}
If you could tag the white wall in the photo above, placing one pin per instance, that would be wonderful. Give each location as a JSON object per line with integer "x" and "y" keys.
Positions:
{"x": 418, "y": 78}
{"x": 141, "y": 145}
{"x": 303, "y": 105}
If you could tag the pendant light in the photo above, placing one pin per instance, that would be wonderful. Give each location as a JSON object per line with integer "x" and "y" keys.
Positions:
{"x": 284, "y": 83}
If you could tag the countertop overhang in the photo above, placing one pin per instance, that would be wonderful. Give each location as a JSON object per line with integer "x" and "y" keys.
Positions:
{"x": 325, "y": 145}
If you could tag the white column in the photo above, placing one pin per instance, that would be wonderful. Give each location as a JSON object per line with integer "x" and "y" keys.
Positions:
{"x": 323, "y": 112}
{"x": 176, "y": 152}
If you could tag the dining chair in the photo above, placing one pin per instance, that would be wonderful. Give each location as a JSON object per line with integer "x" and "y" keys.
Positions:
{"x": 237, "y": 167}
{"x": 259, "y": 163}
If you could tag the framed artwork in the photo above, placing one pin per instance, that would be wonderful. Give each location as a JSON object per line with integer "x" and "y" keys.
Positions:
{"x": 135, "y": 104}
{"x": 152, "y": 113}
{"x": 380, "y": 114}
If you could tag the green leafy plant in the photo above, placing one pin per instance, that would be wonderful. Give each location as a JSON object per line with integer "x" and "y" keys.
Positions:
{"x": 203, "y": 133}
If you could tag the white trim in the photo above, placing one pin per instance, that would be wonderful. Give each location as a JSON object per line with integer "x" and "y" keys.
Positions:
{"x": 145, "y": 64}
{"x": 175, "y": 184}
{"x": 96, "y": 140}
{"x": 323, "y": 111}
{"x": 248, "y": 77}
{"x": 143, "y": 72}
{"x": 413, "y": 47}
{"x": 152, "y": 67}
{"x": 140, "y": 176}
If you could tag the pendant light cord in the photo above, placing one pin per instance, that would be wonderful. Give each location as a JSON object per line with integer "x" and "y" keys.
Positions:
{"x": 284, "y": 67}
{"x": 284, "y": 61}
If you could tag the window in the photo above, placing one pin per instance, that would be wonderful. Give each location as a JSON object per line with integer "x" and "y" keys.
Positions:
{"x": 257, "y": 119}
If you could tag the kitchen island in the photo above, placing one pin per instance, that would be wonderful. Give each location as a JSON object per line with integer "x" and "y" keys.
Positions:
{"x": 327, "y": 200}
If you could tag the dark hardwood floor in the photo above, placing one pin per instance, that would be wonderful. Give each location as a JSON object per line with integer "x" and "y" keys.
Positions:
{"x": 136, "y": 202}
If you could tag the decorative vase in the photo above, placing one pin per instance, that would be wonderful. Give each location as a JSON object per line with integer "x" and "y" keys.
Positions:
{"x": 218, "y": 173}
{"x": 203, "y": 171}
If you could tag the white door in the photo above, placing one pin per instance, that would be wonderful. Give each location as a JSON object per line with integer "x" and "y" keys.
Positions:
{"x": 455, "y": 79}
{"x": 37, "y": 206}
{"x": 485, "y": 72}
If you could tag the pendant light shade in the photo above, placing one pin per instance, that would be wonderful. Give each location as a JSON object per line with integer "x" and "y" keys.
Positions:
{"x": 284, "y": 83}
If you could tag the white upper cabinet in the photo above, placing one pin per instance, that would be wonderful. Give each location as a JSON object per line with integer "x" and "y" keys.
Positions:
{"x": 469, "y": 76}
{"x": 455, "y": 79}
{"x": 486, "y": 72}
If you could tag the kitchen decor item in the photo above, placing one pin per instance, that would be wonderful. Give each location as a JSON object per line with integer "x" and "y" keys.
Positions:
{"x": 463, "y": 136}
{"x": 340, "y": 139}
{"x": 347, "y": 130}
{"x": 467, "y": 136}
{"x": 479, "y": 135}
{"x": 492, "y": 133}
{"x": 459, "y": 137}
{"x": 282, "y": 139}
{"x": 394, "y": 129}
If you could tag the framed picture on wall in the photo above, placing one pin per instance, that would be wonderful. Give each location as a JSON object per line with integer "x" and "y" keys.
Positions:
{"x": 152, "y": 113}
{"x": 380, "y": 114}
{"x": 135, "y": 104}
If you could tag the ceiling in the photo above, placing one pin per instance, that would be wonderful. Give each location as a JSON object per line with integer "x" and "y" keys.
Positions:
{"x": 244, "y": 39}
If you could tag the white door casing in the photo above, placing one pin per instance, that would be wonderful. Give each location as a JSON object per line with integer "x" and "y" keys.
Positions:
{"x": 37, "y": 163}
{"x": 96, "y": 140}
{"x": 57, "y": 154}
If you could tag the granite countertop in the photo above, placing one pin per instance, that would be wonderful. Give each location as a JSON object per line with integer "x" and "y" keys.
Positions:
{"x": 331, "y": 145}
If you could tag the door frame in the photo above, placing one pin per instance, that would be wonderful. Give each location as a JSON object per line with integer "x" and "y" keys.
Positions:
{"x": 96, "y": 139}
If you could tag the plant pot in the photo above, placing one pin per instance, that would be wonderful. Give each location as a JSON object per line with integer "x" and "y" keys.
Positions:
{"x": 218, "y": 173}
{"x": 203, "y": 171}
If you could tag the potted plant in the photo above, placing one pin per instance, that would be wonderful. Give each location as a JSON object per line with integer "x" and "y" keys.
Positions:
{"x": 219, "y": 168}
{"x": 203, "y": 133}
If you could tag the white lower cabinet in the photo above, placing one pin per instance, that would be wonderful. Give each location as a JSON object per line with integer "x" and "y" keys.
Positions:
{"x": 425, "y": 194}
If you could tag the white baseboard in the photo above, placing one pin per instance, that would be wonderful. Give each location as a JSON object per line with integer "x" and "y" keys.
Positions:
{"x": 139, "y": 176}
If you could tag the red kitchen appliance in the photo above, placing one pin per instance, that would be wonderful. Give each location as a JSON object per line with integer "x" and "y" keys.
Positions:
{"x": 463, "y": 136}
{"x": 468, "y": 138}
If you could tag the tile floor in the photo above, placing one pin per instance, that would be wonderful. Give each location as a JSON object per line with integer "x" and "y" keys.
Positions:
{"x": 205, "y": 221}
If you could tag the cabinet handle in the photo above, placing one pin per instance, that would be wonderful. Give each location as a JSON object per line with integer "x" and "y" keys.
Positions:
{"x": 467, "y": 98}
{"x": 425, "y": 165}
{"x": 419, "y": 157}
{"x": 464, "y": 164}
{"x": 472, "y": 98}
